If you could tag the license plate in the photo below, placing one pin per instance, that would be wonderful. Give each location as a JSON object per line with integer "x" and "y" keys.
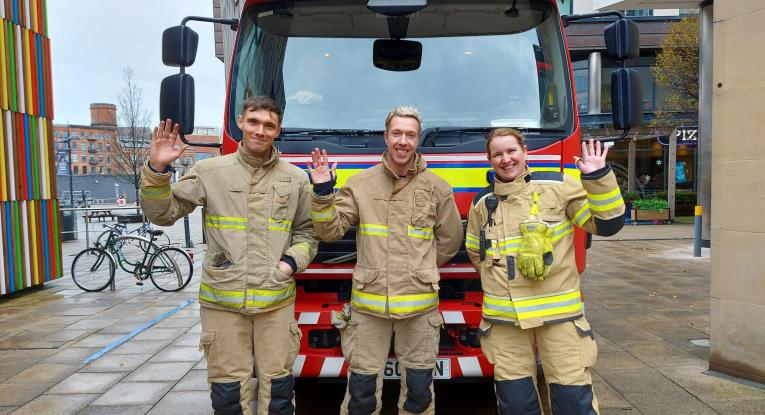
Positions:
{"x": 443, "y": 369}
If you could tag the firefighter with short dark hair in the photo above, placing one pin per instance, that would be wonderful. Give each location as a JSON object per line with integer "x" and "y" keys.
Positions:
{"x": 520, "y": 237}
{"x": 407, "y": 225}
{"x": 259, "y": 234}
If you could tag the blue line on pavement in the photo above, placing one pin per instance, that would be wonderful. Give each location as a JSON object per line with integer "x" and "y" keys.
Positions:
{"x": 136, "y": 332}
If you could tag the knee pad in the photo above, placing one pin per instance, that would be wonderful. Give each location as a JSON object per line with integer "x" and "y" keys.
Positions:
{"x": 418, "y": 396}
{"x": 517, "y": 397}
{"x": 362, "y": 390}
{"x": 571, "y": 399}
{"x": 282, "y": 393}
{"x": 225, "y": 398}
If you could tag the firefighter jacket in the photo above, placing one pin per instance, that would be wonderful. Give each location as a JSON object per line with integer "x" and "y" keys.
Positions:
{"x": 406, "y": 227}
{"x": 256, "y": 212}
{"x": 594, "y": 204}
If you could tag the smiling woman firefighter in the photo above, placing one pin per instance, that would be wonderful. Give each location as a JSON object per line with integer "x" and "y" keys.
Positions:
{"x": 520, "y": 237}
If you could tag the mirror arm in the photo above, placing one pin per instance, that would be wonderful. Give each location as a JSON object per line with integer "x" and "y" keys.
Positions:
{"x": 574, "y": 17}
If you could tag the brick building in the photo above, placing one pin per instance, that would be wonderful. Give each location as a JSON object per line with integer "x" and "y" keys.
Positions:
{"x": 95, "y": 147}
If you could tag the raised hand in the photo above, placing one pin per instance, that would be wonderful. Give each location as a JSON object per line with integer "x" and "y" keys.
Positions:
{"x": 593, "y": 157}
{"x": 163, "y": 151}
{"x": 319, "y": 169}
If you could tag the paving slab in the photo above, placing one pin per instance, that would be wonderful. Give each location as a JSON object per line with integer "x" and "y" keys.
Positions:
{"x": 94, "y": 382}
{"x": 16, "y": 394}
{"x": 56, "y": 404}
{"x": 116, "y": 410}
{"x": 195, "y": 380}
{"x": 184, "y": 403}
{"x": 117, "y": 363}
{"x": 134, "y": 393}
{"x": 160, "y": 372}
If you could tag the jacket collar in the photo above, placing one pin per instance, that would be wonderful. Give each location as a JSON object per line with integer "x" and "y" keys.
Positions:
{"x": 254, "y": 162}
{"x": 501, "y": 188}
{"x": 418, "y": 166}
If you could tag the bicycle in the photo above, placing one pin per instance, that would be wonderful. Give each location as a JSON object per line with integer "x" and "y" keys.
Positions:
{"x": 94, "y": 268}
{"x": 121, "y": 229}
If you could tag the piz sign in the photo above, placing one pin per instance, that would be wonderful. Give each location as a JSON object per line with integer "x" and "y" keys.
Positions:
{"x": 684, "y": 136}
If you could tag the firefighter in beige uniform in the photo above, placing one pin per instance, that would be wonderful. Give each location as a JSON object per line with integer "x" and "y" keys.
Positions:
{"x": 407, "y": 226}
{"x": 525, "y": 222}
{"x": 259, "y": 234}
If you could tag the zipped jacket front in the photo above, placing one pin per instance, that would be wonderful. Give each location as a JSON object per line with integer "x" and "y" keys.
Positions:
{"x": 256, "y": 212}
{"x": 594, "y": 204}
{"x": 406, "y": 227}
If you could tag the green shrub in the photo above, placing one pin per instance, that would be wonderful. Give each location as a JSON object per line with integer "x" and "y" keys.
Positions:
{"x": 630, "y": 196}
{"x": 650, "y": 204}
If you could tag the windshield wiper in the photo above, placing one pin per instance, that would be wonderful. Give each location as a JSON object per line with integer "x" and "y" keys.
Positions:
{"x": 437, "y": 130}
{"x": 291, "y": 132}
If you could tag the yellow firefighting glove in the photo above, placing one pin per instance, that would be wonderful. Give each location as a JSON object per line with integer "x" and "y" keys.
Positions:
{"x": 535, "y": 252}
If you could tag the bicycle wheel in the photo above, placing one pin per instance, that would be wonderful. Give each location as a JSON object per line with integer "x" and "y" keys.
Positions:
{"x": 132, "y": 251}
{"x": 102, "y": 238}
{"x": 93, "y": 269}
{"x": 170, "y": 269}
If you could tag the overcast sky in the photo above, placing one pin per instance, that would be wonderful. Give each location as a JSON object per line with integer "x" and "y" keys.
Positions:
{"x": 93, "y": 40}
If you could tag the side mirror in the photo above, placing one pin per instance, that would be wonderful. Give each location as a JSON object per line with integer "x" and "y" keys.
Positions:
{"x": 397, "y": 55}
{"x": 626, "y": 98}
{"x": 176, "y": 101}
{"x": 622, "y": 39}
{"x": 179, "y": 46}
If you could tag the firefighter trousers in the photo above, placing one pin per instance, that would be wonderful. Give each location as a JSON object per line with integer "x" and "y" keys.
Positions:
{"x": 366, "y": 345}
{"x": 235, "y": 344}
{"x": 567, "y": 350}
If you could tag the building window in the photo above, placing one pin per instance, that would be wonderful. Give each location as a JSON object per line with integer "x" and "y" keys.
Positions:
{"x": 108, "y": 136}
{"x": 108, "y": 159}
{"x": 55, "y": 133}
{"x": 83, "y": 146}
{"x": 108, "y": 147}
{"x": 100, "y": 136}
{"x": 109, "y": 171}
{"x": 76, "y": 170}
{"x": 100, "y": 146}
{"x": 100, "y": 169}
{"x": 74, "y": 158}
{"x": 84, "y": 169}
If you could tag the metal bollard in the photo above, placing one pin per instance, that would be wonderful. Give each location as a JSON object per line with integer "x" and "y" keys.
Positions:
{"x": 697, "y": 232}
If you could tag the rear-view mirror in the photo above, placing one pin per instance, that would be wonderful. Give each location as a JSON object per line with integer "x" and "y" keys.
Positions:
{"x": 622, "y": 39}
{"x": 179, "y": 46}
{"x": 397, "y": 55}
{"x": 626, "y": 98}
{"x": 176, "y": 101}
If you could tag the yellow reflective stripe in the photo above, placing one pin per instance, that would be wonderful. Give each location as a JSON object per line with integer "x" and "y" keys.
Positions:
{"x": 471, "y": 241}
{"x": 226, "y": 222}
{"x": 405, "y": 304}
{"x": 269, "y": 298}
{"x": 221, "y": 226}
{"x": 504, "y": 246}
{"x": 323, "y": 215}
{"x": 605, "y": 201}
{"x": 232, "y": 299}
{"x": 371, "y": 302}
{"x": 279, "y": 225}
{"x": 559, "y": 231}
{"x": 304, "y": 247}
{"x": 155, "y": 192}
{"x": 498, "y": 307}
{"x": 226, "y": 218}
{"x": 419, "y": 233}
{"x": 373, "y": 229}
{"x": 582, "y": 215}
{"x": 565, "y": 302}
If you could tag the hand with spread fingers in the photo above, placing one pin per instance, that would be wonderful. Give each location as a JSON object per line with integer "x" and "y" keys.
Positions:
{"x": 163, "y": 151}
{"x": 593, "y": 157}
{"x": 320, "y": 169}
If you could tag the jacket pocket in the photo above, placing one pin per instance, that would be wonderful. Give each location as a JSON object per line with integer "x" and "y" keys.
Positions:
{"x": 589, "y": 349}
{"x": 435, "y": 322}
{"x": 218, "y": 261}
{"x": 423, "y": 209}
{"x": 279, "y": 277}
{"x": 429, "y": 277}
{"x": 363, "y": 276}
{"x": 348, "y": 339}
{"x": 280, "y": 201}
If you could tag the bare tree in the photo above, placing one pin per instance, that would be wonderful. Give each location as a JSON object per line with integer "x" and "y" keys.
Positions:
{"x": 134, "y": 133}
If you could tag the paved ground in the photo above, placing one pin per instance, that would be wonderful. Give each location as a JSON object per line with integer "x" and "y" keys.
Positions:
{"x": 647, "y": 299}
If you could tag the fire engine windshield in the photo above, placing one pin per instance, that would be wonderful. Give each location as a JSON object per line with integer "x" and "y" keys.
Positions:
{"x": 483, "y": 64}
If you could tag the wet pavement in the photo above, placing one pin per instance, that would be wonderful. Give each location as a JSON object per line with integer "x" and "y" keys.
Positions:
{"x": 647, "y": 299}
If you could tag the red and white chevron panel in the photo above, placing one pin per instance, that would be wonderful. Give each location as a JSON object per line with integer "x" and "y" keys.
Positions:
{"x": 309, "y": 366}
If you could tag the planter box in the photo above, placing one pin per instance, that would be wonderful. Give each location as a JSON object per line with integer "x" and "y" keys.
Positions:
{"x": 640, "y": 214}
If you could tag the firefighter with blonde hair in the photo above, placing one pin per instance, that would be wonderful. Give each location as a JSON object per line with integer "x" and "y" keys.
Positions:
{"x": 407, "y": 225}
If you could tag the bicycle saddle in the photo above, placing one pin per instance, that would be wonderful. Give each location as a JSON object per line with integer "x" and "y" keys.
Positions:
{"x": 157, "y": 232}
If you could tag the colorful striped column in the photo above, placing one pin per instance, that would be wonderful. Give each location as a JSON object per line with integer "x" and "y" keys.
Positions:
{"x": 30, "y": 250}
